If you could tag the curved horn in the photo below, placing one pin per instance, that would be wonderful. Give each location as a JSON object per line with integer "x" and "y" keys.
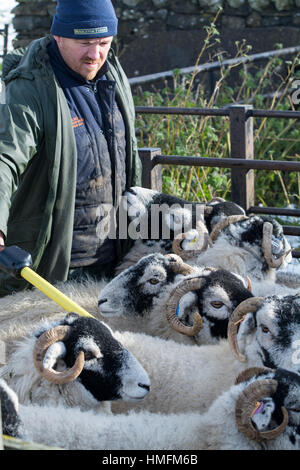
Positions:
{"x": 244, "y": 407}
{"x": 185, "y": 286}
{"x": 188, "y": 254}
{"x": 58, "y": 333}
{"x": 249, "y": 305}
{"x": 249, "y": 287}
{"x": 217, "y": 199}
{"x": 231, "y": 219}
{"x": 267, "y": 247}
{"x": 178, "y": 266}
{"x": 251, "y": 372}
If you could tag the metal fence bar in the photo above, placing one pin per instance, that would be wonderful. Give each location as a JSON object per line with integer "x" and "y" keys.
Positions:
{"x": 274, "y": 211}
{"x": 214, "y": 65}
{"x": 225, "y": 162}
{"x": 182, "y": 111}
{"x": 216, "y": 112}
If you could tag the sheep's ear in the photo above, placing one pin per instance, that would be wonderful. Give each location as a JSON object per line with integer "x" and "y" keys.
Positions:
{"x": 70, "y": 318}
{"x": 55, "y": 352}
{"x": 246, "y": 326}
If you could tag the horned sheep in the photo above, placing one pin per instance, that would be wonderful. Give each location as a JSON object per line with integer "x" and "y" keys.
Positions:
{"x": 260, "y": 411}
{"x": 266, "y": 337}
{"x": 139, "y": 294}
{"x": 76, "y": 361}
{"x": 216, "y": 234}
{"x": 156, "y": 219}
{"x": 190, "y": 377}
{"x": 146, "y": 298}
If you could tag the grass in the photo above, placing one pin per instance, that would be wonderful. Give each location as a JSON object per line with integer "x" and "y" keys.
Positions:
{"x": 209, "y": 136}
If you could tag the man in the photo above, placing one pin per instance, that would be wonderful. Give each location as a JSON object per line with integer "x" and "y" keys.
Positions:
{"x": 67, "y": 145}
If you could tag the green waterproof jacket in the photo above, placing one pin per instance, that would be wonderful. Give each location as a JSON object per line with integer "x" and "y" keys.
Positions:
{"x": 38, "y": 161}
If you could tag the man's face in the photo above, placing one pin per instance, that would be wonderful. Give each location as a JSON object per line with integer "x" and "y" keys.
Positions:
{"x": 84, "y": 56}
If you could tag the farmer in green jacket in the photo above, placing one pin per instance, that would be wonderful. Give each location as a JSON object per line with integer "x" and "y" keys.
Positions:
{"x": 67, "y": 146}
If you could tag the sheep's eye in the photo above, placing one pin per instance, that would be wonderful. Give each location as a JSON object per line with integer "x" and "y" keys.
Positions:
{"x": 265, "y": 329}
{"x": 217, "y": 304}
{"x": 88, "y": 355}
{"x": 154, "y": 281}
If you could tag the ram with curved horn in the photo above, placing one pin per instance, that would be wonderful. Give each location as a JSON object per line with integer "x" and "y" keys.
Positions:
{"x": 163, "y": 296}
{"x": 259, "y": 325}
{"x": 82, "y": 356}
{"x": 247, "y": 245}
{"x": 266, "y": 338}
{"x": 218, "y": 292}
{"x": 47, "y": 339}
{"x": 258, "y": 413}
{"x": 155, "y": 219}
{"x": 246, "y": 406}
{"x": 189, "y": 244}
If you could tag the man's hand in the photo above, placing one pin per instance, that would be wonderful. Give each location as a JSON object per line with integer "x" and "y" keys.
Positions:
{"x": 2, "y": 238}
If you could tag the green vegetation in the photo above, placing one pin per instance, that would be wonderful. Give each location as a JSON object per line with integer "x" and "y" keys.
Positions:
{"x": 265, "y": 86}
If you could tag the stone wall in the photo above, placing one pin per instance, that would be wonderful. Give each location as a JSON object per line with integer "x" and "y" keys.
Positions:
{"x": 156, "y": 35}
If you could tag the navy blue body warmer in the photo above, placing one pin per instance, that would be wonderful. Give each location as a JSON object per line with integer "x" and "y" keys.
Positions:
{"x": 101, "y": 148}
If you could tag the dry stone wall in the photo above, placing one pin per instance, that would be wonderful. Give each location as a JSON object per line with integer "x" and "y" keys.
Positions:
{"x": 157, "y": 35}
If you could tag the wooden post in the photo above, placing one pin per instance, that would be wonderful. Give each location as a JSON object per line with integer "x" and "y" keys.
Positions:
{"x": 151, "y": 176}
{"x": 241, "y": 139}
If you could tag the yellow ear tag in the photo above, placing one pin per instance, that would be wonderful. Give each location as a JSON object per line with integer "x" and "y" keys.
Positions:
{"x": 257, "y": 408}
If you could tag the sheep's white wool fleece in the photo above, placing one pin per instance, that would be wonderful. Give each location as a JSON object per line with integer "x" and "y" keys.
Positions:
{"x": 20, "y": 311}
{"x": 183, "y": 377}
{"x": 72, "y": 429}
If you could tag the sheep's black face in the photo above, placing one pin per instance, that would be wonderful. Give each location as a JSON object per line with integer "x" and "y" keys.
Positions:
{"x": 11, "y": 424}
{"x": 216, "y": 299}
{"x": 219, "y": 297}
{"x": 288, "y": 395}
{"x": 159, "y": 217}
{"x": 274, "y": 333}
{"x": 110, "y": 372}
{"x": 221, "y": 210}
{"x": 135, "y": 290}
{"x": 248, "y": 234}
{"x": 269, "y": 414}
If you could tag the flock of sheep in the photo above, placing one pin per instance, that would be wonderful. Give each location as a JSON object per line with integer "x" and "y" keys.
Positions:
{"x": 194, "y": 344}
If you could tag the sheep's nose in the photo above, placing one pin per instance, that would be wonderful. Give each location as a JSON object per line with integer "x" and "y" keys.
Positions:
{"x": 101, "y": 301}
{"x": 145, "y": 386}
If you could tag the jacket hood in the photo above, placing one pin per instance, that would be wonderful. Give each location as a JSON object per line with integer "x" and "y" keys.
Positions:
{"x": 23, "y": 61}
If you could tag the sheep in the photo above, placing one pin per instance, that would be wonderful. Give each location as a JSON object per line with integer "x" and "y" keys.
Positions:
{"x": 143, "y": 298}
{"x": 142, "y": 302}
{"x": 75, "y": 361}
{"x": 170, "y": 365}
{"x": 216, "y": 234}
{"x": 29, "y": 307}
{"x": 156, "y": 218}
{"x": 234, "y": 421}
{"x": 188, "y": 377}
{"x": 253, "y": 246}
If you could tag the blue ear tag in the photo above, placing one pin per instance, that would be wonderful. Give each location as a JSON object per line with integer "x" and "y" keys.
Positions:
{"x": 177, "y": 310}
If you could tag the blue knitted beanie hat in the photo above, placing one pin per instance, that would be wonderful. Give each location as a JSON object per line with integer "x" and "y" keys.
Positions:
{"x": 82, "y": 19}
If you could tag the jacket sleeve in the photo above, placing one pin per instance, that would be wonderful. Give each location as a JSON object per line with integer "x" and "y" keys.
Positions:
{"x": 19, "y": 138}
